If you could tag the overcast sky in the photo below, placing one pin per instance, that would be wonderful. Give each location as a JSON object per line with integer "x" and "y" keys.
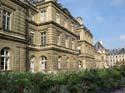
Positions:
{"x": 104, "y": 18}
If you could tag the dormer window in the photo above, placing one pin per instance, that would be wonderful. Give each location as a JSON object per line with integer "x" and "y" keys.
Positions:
{"x": 72, "y": 27}
{"x": 58, "y": 18}
{"x": 43, "y": 16}
{"x": 66, "y": 24}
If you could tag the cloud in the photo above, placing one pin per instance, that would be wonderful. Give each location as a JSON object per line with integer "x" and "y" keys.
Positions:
{"x": 122, "y": 37}
{"x": 99, "y": 19}
{"x": 117, "y": 2}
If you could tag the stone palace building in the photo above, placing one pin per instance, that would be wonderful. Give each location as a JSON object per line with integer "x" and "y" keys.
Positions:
{"x": 116, "y": 56}
{"x": 43, "y": 36}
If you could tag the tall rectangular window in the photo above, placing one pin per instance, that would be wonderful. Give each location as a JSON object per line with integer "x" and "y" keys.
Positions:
{"x": 43, "y": 38}
{"x": 31, "y": 37}
{"x": 43, "y": 16}
{"x": 6, "y": 20}
{"x": 73, "y": 44}
{"x": 33, "y": 18}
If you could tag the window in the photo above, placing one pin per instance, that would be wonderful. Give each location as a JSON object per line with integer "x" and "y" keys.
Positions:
{"x": 67, "y": 63}
{"x": 43, "y": 38}
{"x": 6, "y": 20}
{"x": 86, "y": 51}
{"x": 73, "y": 44}
{"x": 79, "y": 50}
{"x": 59, "y": 63}
{"x": 43, "y": 16}
{"x": 65, "y": 24}
{"x": 59, "y": 40}
{"x": 66, "y": 43}
{"x": 102, "y": 58}
{"x": 80, "y": 64}
{"x": 31, "y": 36}
{"x": 4, "y": 64}
{"x": 33, "y": 18}
{"x": 72, "y": 27}
{"x": 32, "y": 62}
{"x": 43, "y": 63}
{"x": 58, "y": 18}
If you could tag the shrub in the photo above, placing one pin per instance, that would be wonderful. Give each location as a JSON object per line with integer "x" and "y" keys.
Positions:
{"x": 85, "y": 81}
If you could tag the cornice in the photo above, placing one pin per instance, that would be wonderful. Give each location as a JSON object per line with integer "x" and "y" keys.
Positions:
{"x": 61, "y": 9}
{"x": 86, "y": 55}
{"x": 86, "y": 42}
{"x": 11, "y": 38}
{"x": 86, "y": 29}
{"x": 54, "y": 23}
{"x": 9, "y": 6}
{"x": 24, "y": 5}
{"x": 11, "y": 31}
{"x": 52, "y": 48}
{"x": 32, "y": 22}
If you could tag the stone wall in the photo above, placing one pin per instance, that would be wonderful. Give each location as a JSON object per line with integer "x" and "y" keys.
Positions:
{"x": 17, "y": 54}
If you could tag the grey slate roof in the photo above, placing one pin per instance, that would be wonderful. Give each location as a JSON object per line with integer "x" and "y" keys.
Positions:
{"x": 117, "y": 51}
{"x": 98, "y": 46}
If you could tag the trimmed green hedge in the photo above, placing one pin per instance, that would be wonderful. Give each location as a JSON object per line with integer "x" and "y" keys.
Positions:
{"x": 93, "y": 81}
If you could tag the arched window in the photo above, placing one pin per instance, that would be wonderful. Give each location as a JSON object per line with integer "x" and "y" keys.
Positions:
{"x": 4, "y": 60}
{"x": 59, "y": 62}
{"x": 32, "y": 63}
{"x": 80, "y": 64}
{"x": 43, "y": 63}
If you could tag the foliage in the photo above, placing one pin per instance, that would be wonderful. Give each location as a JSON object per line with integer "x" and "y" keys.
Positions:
{"x": 103, "y": 80}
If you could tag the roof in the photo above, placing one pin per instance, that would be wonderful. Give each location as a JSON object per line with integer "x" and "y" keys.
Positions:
{"x": 117, "y": 51}
{"x": 99, "y": 45}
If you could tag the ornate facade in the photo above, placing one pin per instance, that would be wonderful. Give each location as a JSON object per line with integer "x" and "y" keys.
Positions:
{"x": 116, "y": 57}
{"x": 43, "y": 36}
{"x": 101, "y": 55}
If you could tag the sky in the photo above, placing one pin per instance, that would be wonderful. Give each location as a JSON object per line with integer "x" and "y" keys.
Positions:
{"x": 104, "y": 18}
